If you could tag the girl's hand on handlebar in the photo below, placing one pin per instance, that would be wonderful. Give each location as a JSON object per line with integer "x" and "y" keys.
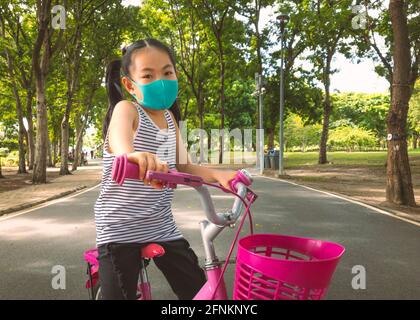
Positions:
{"x": 148, "y": 161}
{"x": 224, "y": 176}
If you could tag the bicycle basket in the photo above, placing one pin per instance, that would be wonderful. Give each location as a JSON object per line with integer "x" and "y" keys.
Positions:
{"x": 280, "y": 267}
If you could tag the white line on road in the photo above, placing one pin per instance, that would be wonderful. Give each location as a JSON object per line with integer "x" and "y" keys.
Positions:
{"x": 46, "y": 204}
{"x": 347, "y": 199}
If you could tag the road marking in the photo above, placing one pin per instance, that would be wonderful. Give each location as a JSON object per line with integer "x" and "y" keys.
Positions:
{"x": 347, "y": 199}
{"x": 46, "y": 204}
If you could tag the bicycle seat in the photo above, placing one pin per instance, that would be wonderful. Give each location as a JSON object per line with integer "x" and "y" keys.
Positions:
{"x": 152, "y": 250}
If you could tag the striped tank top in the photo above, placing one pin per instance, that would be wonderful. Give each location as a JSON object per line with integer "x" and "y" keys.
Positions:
{"x": 134, "y": 212}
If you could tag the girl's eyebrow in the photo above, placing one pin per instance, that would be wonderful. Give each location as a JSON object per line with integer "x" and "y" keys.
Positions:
{"x": 150, "y": 69}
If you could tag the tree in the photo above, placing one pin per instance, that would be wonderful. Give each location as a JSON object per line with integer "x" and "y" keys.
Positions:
{"x": 100, "y": 41}
{"x": 300, "y": 92}
{"x": 327, "y": 28}
{"x": 215, "y": 14}
{"x": 16, "y": 38}
{"x": 43, "y": 51}
{"x": 399, "y": 188}
{"x": 192, "y": 56}
{"x": 11, "y": 69}
{"x": 72, "y": 57}
{"x": 398, "y": 27}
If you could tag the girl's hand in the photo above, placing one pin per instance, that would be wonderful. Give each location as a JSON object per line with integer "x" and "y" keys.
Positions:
{"x": 224, "y": 176}
{"x": 148, "y": 161}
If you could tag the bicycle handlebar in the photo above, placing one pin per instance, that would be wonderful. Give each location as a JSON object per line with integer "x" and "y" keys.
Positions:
{"x": 123, "y": 169}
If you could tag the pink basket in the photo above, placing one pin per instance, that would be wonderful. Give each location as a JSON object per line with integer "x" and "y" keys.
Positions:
{"x": 278, "y": 267}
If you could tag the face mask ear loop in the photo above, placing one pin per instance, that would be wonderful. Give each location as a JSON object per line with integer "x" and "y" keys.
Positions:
{"x": 133, "y": 82}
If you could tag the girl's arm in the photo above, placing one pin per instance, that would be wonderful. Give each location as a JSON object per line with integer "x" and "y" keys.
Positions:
{"x": 184, "y": 164}
{"x": 121, "y": 133}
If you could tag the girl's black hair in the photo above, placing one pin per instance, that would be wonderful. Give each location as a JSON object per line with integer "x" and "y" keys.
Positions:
{"x": 120, "y": 67}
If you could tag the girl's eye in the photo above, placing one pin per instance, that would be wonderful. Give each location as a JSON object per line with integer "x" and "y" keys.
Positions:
{"x": 147, "y": 76}
{"x": 168, "y": 73}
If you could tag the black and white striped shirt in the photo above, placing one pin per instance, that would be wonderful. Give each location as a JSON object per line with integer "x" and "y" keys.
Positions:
{"x": 135, "y": 212}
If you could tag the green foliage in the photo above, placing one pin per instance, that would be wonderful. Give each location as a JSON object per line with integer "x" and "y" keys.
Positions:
{"x": 4, "y": 152}
{"x": 9, "y": 159}
{"x": 414, "y": 110}
{"x": 240, "y": 105}
{"x": 351, "y": 139}
{"x": 367, "y": 111}
{"x": 298, "y": 136}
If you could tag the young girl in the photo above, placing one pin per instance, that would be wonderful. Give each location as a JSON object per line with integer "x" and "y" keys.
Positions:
{"x": 139, "y": 211}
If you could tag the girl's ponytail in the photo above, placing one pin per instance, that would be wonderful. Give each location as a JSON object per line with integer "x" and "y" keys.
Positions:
{"x": 114, "y": 91}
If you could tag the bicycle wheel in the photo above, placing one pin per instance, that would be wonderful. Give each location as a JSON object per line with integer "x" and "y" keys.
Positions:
{"x": 97, "y": 292}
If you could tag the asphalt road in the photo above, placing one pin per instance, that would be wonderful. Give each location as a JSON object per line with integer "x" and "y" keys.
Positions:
{"x": 58, "y": 234}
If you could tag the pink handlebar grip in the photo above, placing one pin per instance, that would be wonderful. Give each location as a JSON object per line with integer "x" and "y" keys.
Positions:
{"x": 241, "y": 176}
{"x": 122, "y": 169}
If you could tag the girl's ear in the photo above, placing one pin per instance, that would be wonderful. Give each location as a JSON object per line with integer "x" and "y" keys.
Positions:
{"x": 177, "y": 73}
{"x": 127, "y": 84}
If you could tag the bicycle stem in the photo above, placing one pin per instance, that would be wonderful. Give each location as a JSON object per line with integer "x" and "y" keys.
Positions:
{"x": 216, "y": 222}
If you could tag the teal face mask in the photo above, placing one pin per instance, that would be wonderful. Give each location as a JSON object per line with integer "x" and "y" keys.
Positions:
{"x": 159, "y": 94}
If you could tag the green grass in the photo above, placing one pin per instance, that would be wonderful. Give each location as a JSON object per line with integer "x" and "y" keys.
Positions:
{"x": 338, "y": 158}
{"x": 373, "y": 158}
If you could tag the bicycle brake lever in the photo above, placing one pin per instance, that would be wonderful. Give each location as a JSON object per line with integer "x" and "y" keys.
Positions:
{"x": 174, "y": 177}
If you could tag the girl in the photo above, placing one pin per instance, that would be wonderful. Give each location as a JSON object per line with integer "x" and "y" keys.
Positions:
{"x": 139, "y": 211}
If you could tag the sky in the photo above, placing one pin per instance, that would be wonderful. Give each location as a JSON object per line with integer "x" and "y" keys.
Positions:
{"x": 351, "y": 77}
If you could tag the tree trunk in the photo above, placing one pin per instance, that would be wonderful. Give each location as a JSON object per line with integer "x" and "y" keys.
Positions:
{"x": 270, "y": 132}
{"x": 201, "y": 114}
{"x": 80, "y": 129}
{"x": 399, "y": 187}
{"x": 327, "y": 111}
{"x": 21, "y": 139}
{"x": 54, "y": 152}
{"x": 49, "y": 158}
{"x": 64, "y": 167}
{"x": 30, "y": 131}
{"x": 415, "y": 140}
{"x": 59, "y": 147}
{"x": 40, "y": 163}
{"x": 21, "y": 132}
{"x": 72, "y": 83}
{"x": 1, "y": 175}
{"x": 324, "y": 136}
{"x": 222, "y": 106}
{"x": 40, "y": 60}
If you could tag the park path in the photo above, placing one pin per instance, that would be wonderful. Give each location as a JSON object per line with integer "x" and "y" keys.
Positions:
{"x": 33, "y": 242}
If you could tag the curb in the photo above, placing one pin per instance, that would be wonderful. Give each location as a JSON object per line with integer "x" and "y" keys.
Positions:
{"x": 390, "y": 211}
{"x": 35, "y": 203}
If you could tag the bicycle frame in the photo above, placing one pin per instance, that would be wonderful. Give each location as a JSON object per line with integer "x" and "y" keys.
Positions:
{"x": 210, "y": 229}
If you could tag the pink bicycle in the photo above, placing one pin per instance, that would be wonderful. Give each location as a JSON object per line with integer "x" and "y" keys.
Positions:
{"x": 268, "y": 266}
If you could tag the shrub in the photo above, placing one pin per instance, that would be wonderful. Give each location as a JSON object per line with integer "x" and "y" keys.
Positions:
{"x": 351, "y": 139}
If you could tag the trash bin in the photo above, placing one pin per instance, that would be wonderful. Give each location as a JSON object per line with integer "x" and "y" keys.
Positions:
{"x": 267, "y": 161}
{"x": 274, "y": 159}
